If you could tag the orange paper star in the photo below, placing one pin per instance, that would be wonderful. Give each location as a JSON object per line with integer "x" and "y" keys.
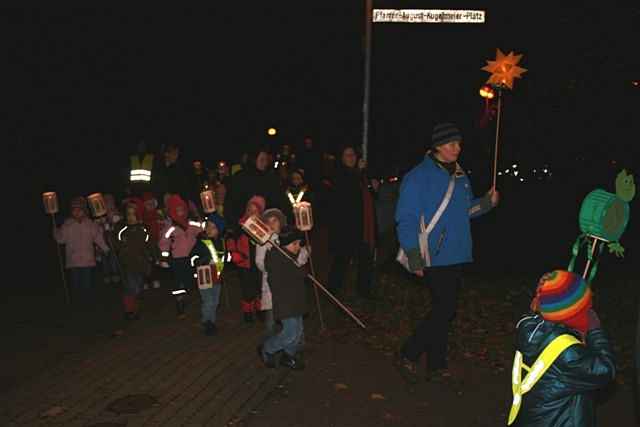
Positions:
{"x": 504, "y": 69}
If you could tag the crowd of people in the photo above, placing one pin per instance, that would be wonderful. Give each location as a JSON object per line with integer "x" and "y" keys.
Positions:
{"x": 161, "y": 224}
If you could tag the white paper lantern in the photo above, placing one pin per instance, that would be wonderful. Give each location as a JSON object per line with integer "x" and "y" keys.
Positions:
{"x": 208, "y": 203}
{"x": 303, "y": 215}
{"x": 206, "y": 276}
{"x": 258, "y": 230}
{"x": 50, "y": 201}
{"x": 97, "y": 204}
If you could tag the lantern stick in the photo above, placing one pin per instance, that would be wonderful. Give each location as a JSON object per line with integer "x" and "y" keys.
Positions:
{"x": 495, "y": 154}
{"x": 323, "y": 289}
{"x": 315, "y": 289}
{"x": 590, "y": 258}
{"x": 64, "y": 279}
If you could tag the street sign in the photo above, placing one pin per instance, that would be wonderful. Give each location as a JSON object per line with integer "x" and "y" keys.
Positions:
{"x": 429, "y": 16}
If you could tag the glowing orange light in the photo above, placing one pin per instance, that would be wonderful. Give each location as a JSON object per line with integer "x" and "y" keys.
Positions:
{"x": 487, "y": 92}
{"x": 272, "y": 131}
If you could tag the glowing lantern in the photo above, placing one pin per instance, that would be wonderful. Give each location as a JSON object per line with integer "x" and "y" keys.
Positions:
{"x": 97, "y": 204}
{"x": 487, "y": 92}
{"x": 206, "y": 276}
{"x": 50, "y": 201}
{"x": 303, "y": 215}
{"x": 272, "y": 131}
{"x": 257, "y": 230}
{"x": 208, "y": 203}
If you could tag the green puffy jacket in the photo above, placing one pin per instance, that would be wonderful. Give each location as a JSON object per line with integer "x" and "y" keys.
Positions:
{"x": 564, "y": 394}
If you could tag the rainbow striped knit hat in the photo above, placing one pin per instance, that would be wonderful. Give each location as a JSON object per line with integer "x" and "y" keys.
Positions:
{"x": 563, "y": 296}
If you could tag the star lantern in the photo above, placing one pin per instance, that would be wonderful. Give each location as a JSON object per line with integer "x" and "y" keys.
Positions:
{"x": 504, "y": 69}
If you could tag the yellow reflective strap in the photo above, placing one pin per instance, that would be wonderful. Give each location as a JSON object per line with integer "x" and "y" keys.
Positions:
{"x": 536, "y": 371}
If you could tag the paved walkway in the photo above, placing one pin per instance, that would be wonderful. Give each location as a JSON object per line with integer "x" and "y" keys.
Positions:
{"x": 159, "y": 371}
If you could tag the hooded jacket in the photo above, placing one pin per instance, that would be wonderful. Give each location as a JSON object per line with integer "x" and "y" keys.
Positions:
{"x": 179, "y": 237}
{"x": 79, "y": 239}
{"x": 563, "y": 397}
{"x": 134, "y": 248}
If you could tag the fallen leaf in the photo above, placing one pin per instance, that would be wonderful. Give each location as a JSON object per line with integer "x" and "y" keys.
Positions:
{"x": 377, "y": 396}
{"x": 341, "y": 386}
{"x": 54, "y": 411}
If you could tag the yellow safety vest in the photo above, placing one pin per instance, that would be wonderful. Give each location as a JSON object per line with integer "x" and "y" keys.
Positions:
{"x": 295, "y": 200}
{"x": 141, "y": 171}
{"x": 216, "y": 257}
{"x": 536, "y": 371}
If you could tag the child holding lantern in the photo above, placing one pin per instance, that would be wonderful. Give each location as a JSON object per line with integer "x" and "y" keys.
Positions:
{"x": 287, "y": 283}
{"x": 563, "y": 353}
{"x": 176, "y": 242}
{"x": 135, "y": 254}
{"x": 79, "y": 234}
{"x": 243, "y": 256}
{"x": 276, "y": 220}
{"x": 209, "y": 251}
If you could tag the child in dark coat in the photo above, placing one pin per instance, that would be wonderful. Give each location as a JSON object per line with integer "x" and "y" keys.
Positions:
{"x": 289, "y": 294}
{"x": 563, "y": 356}
{"x": 135, "y": 253}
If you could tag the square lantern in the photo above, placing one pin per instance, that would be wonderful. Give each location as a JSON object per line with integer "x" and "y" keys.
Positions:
{"x": 206, "y": 276}
{"x": 208, "y": 203}
{"x": 257, "y": 230}
{"x": 50, "y": 201}
{"x": 97, "y": 204}
{"x": 303, "y": 215}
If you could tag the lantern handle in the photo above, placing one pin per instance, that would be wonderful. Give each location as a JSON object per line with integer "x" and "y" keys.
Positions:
{"x": 322, "y": 288}
{"x": 64, "y": 279}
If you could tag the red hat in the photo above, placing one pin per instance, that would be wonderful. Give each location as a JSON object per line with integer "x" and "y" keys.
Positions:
{"x": 172, "y": 206}
{"x": 259, "y": 202}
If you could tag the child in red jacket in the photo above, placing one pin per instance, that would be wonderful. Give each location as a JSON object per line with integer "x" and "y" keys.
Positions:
{"x": 243, "y": 255}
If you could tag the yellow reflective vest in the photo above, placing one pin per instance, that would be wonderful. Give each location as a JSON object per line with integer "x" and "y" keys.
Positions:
{"x": 141, "y": 170}
{"x": 544, "y": 361}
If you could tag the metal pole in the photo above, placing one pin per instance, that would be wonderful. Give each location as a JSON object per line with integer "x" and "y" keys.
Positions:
{"x": 313, "y": 273}
{"x": 495, "y": 154}
{"x": 367, "y": 76}
{"x": 64, "y": 279}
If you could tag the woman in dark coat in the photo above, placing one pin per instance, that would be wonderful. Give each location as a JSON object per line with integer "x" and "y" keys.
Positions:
{"x": 352, "y": 233}
{"x": 257, "y": 179}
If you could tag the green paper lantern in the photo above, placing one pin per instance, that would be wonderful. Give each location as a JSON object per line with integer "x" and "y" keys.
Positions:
{"x": 604, "y": 215}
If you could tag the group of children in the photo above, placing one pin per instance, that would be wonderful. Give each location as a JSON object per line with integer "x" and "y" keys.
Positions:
{"x": 135, "y": 245}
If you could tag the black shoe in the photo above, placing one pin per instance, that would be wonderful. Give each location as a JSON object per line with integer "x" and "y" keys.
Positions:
{"x": 267, "y": 359}
{"x": 291, "y": 362}
{"x": 210, "y": 329}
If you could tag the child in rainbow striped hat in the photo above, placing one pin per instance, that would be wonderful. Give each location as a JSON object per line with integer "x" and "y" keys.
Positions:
{"x": 563, "y": 353}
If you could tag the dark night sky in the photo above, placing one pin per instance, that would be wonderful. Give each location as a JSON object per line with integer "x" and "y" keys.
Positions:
{"x": 84, "y": 84}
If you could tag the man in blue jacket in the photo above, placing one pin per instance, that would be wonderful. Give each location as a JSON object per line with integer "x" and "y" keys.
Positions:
{"x": 437, "y": 184}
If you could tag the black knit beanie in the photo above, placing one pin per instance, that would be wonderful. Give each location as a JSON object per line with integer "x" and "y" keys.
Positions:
{"x": 445, "y": 133}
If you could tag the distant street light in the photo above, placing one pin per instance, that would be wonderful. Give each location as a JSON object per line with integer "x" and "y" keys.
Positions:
{"x": 272, "y": 131}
